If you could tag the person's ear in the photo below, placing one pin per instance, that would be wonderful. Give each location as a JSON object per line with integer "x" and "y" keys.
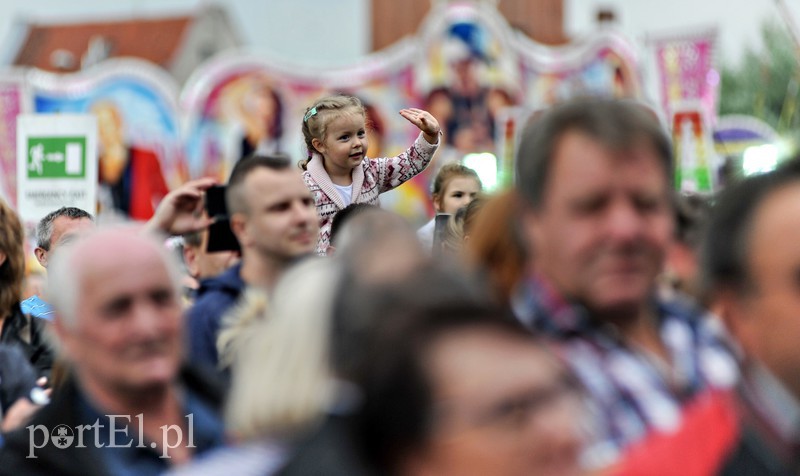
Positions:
{"x": 238, "y": 223}
{"x": 318, "y": 145}
{"x": 190, "y": 259}
{"x": 437, "y": 205}
{"x": 41, "y": 256}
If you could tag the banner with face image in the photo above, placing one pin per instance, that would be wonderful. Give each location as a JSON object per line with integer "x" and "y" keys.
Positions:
{"x": 140, "y": 147}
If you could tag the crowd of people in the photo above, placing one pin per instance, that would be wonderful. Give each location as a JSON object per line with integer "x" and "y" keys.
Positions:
{"x": 590, "y": 320}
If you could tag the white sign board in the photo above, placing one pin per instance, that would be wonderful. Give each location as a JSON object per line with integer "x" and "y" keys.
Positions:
{"x": 56, "y": 163}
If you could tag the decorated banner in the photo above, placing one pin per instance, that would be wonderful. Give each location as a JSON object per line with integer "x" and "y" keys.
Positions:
{"x": 13, "y": 101}
{"x": 685, "y": 71}
{"x": 696, "y": 163}
{"x": 466, "y": 66}
{"x": 56, "y": 163}
{"x": 140, "y": 149}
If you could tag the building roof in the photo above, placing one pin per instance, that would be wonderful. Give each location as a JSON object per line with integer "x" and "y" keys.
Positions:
{"x": 153, "y": 39}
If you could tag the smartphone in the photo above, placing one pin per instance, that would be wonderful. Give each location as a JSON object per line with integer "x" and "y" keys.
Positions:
{"x": 440, "y": 231}
{"x": 220, "y": 235}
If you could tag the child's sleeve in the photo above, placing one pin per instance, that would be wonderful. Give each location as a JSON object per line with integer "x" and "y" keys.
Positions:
{"x": 393, "y": 171}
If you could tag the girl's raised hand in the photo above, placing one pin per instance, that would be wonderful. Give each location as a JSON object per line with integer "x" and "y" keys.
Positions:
{"x": 424, "y": 121}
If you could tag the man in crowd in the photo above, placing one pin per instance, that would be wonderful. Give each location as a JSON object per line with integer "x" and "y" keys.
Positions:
{"x": 274, "y": 219}
{"x": 751, "y": 265}
{"x": 118, "y": 320}
{"x": 596, "y": 177}
{"x": 58, "y": 227}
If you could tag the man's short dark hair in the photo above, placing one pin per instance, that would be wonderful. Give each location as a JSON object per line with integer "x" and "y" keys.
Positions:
{"x": 235, "y": 199}
{"x": 619, "y": 124}
{"x": 725, "y": 250}
{"x": 406, "y": 321}
{"x": 44, "y": 230}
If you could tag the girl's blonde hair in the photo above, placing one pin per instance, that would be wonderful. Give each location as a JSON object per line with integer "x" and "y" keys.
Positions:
{"x": 319, "y": 115}
{"x": 282, "y": 372}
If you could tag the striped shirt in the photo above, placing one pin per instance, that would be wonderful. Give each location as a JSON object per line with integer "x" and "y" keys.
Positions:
{"x": 629, "y": 391}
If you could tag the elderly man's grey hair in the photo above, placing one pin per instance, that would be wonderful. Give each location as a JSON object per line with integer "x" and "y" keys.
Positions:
{"x": 65, "y": 271}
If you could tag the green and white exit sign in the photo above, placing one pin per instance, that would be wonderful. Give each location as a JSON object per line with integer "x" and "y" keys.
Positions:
{"x": 56, "y": 157}
{"x": 56, "y": 163}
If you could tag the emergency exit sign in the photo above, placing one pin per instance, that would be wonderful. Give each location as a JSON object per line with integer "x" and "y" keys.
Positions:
{"x": 56, "y": 157}
{"x": 56, "y": 163}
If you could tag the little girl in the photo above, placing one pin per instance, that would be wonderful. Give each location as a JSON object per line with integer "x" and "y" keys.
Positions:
{"x": 455, "y": 186}
{"x": 337, "y": 170}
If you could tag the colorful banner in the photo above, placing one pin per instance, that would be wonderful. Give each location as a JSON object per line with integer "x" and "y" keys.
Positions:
{"x": 686, "y": 71}
{"x": 140, "y": 148}
{"x": 696, "y": 163}
{"x": 12, "y": 103}
{"x": 466, "y": 66}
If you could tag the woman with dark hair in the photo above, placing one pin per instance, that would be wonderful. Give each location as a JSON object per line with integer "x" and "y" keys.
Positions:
{"x": 16, "y": 328}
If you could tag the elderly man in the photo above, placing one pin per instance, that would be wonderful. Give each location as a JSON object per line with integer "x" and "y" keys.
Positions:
{"x": 751, "y": 265}
{"x": 274, "y": 219}
{"x": 58, "y": 227}
{"x": 127, "y": 407}
{"x": 596, "y": 177}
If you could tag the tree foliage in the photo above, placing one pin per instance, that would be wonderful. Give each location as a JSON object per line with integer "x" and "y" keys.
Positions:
{"x": 765, "y": 82}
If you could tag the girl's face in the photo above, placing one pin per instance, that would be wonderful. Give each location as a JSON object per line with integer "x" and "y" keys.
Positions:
{"x": 345, "y": 143}
{"x": 458, "y": 192}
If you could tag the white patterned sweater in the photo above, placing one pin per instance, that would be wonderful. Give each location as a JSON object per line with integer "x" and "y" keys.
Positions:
{"x": 371, "y": 178}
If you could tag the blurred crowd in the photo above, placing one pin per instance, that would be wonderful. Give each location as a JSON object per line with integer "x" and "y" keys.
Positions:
{"x": 590, "y": 320}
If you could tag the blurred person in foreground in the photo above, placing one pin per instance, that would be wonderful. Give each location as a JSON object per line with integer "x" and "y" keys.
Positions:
{"x": 497, "y": 248}
{"x": 453, "y": 386}
{"x": 595, "y": 176}
{"x": 127, "y": 406}
{"x": 751, "y": 272}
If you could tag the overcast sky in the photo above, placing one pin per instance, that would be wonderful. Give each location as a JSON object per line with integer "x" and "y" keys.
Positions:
{"x": 284, "y": 27}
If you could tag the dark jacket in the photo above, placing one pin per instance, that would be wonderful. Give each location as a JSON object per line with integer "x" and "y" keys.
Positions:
{"x": 215, "y": 296}
{"x": 760, "y": 450}
{"x": 74, "y": 460}
{"x": 17, "y": 377}
{"x": 332, "y": 450}
{"x": 27, "y": 333}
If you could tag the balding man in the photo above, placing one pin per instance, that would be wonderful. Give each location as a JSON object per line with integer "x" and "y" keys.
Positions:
{"x": 128, "y": 407}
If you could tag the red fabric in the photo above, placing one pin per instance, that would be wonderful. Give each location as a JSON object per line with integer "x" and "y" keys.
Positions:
{"x": 147, "y": 184}
{"x": 699, "y": 447}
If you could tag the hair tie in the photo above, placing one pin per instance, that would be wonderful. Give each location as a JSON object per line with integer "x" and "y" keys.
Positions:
{"x": 311, "y": 112}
